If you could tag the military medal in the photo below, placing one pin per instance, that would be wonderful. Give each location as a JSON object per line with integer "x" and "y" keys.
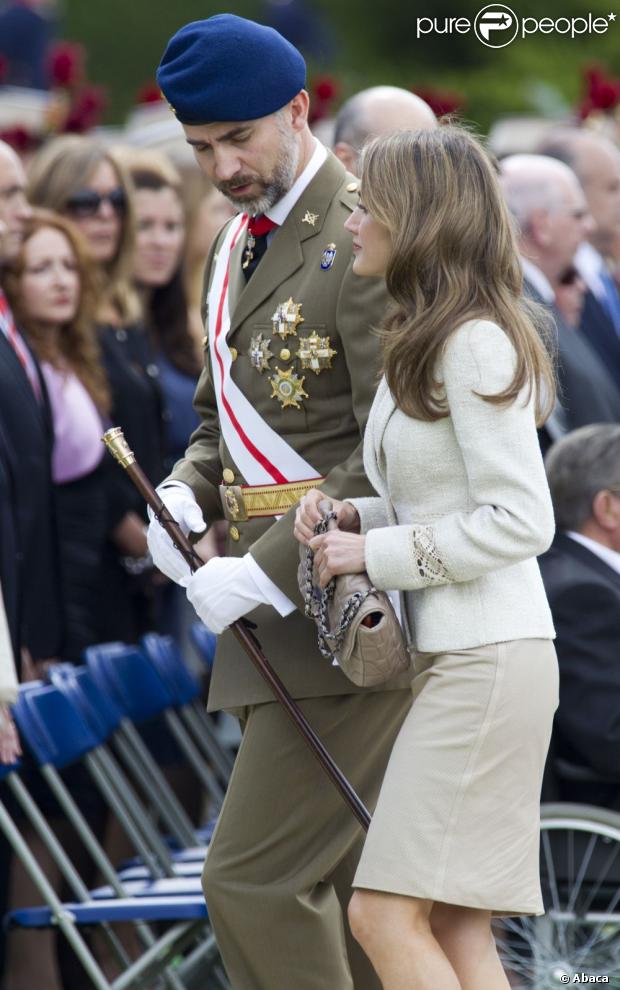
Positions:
{"x": 286, "y": 318}
{"x": 260, "y": 355}
{"x": 328, "y": 256}
{"x": 287, "y": 388}
{"x": 249, "y": 251}
{"x": 315, "y": 353}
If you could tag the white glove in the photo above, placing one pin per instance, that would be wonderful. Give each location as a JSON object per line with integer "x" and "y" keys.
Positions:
{"x": 222, "y": 591}
{"x": 183, "y": 507}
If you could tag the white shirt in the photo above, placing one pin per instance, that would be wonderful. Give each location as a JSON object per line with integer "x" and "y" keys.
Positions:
{"x": 538, "y": 280}
{"x": 589, "y": 263}
{"x": 611, "y": 557}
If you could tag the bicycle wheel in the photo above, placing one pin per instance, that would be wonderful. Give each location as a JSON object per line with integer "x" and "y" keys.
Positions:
{"x": 580, "y": 879}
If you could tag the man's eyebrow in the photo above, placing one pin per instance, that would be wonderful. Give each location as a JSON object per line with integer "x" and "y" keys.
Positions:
{"x": 232, "y": 133}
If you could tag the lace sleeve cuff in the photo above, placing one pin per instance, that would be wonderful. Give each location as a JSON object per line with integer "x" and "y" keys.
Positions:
{"x": 404, "y": 557}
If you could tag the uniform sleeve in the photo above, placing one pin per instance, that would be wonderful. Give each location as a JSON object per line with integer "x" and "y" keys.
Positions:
{"x": 360, "y": 307}
{"x": 510, "y": 516}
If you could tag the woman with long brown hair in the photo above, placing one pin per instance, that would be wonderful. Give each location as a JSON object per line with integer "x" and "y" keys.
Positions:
{"x": 80, "y": 178}
{"x": 51, "y": 288}
{"x": 463, "y": 508}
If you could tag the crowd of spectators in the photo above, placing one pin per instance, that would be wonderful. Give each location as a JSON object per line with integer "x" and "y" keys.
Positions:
{"x": 101, "y": 258}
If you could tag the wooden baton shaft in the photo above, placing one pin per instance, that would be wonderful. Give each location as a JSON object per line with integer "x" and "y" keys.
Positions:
{"x": 117, "y": 445}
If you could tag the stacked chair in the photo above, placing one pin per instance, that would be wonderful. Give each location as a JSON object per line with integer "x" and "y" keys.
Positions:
{"x": 91, "y": 715}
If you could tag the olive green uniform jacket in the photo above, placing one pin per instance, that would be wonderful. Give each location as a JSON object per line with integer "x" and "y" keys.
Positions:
{"x": 326, "y": 429}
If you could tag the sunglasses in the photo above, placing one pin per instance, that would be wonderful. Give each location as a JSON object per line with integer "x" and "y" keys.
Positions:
{"x": 87, "y": 202}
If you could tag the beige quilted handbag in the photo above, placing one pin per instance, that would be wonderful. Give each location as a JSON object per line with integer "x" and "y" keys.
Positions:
{"x": 357, "y": 625}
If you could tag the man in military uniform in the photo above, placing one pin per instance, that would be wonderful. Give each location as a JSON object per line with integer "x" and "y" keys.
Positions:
{"x": 290, "y": 372}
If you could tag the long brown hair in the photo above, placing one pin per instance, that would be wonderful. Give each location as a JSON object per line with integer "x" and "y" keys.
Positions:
{"x": 166, "y": 312}
{"x": 77, "y": 345}
{"x": 65, "y": 164}
{"x": 454, "y": 258}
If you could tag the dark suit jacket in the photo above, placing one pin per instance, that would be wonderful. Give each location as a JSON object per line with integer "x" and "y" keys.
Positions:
{"x": 587, "y": 391}
{"x": 29, "y": 562}
{"x": 584, "y": 596}
{"x": 601, "y": 333}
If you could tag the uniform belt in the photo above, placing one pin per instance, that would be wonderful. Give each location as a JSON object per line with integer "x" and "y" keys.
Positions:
{"x": 243, "y": 502}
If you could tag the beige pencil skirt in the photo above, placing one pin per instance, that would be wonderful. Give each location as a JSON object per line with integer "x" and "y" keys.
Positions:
{"x": 458, "y": 816}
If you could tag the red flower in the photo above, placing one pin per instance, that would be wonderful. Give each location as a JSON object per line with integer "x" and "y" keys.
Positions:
{"x": 86, "y": 110}
{"x": 325, "y": 88}
{"x": 66, "y": 64}
{"x": 20, "y": 139}
{"x": 602, "y": 91}
{"x": 149, "y": 93}
{"x": 441, "y": 101}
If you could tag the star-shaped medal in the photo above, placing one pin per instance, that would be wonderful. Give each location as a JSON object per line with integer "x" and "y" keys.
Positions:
{"x": 260, "y": 355}
{"x": 287, "y": 388}
{"x": 287, "y": 318}
{"x": 310, "y": 218}
{"x": 315, "y": 353}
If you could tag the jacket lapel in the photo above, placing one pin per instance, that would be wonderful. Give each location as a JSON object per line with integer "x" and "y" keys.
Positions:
{"x": 588, "y": 558}
{"x": 285, "y": 253}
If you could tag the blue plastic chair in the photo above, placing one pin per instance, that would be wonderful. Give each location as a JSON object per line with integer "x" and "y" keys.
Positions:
{"x": 57, "y": 733}
{"x": 185, "y": 690}
{"x": 136, "y": 686}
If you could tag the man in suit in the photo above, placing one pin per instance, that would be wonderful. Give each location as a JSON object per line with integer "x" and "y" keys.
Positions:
{"x": 373, "y": 112}
{"x": 553, "y": 220}
{"x": 290, "y": 373}
{"x": 596, "y": 162}
{"x": 28, "y": 555}
{"x": 581, "y": 573}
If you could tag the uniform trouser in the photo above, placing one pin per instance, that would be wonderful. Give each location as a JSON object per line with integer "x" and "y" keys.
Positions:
{"x": 278, "y": 875}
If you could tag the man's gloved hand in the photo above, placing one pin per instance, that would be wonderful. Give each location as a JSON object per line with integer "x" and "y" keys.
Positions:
{"x": 183, "y": 507}
{"x": 222, "y": 591}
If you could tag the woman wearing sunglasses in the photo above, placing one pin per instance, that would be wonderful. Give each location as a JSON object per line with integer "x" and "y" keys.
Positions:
{"x": 79, "y": 178}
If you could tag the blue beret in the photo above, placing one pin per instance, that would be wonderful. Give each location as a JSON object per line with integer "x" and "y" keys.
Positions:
{"x": 228, "y": 68}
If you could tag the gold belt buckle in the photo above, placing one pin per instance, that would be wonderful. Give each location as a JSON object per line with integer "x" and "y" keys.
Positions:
{"x": 233, "y": 503}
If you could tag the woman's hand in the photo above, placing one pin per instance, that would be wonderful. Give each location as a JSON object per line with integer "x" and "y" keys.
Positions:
{"x": 10, "y": 748}
{"x": 308, "y": 515}
{"x": 338, "y": 553}
{"x": 129, "y": 536}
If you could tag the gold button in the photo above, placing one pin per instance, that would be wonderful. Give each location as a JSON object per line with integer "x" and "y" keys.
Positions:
{"x": 234, "y": 353}
{"x": 285, "y": 354}
{"x": 234, "y": 533}
{"x": 353, "y": 186}
{"x": 228, "y": 476}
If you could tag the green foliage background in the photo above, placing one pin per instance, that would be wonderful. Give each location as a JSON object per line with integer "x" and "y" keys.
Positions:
{"x": 375, "y": 43}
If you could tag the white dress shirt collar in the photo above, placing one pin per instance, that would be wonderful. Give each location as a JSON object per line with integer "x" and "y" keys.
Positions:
{"x": 611, "y": 557}
{"x": 538, "y": 281}
{"x": 589, "y": 263}
{"x": 280, "y": 210}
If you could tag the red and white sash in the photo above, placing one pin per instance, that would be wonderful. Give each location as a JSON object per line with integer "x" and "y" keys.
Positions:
{"x": 262, "y": 456}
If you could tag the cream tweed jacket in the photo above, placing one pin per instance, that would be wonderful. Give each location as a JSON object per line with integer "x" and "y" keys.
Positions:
{"x": 463, "y": 507}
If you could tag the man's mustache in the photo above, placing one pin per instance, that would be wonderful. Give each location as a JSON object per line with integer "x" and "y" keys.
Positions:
{"x": 244, "y": 180}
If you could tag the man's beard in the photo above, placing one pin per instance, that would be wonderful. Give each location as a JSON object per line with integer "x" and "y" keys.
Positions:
{"x": 274, "y": 187}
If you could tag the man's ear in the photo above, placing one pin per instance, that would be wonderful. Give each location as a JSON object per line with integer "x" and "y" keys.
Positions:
{"x": 300, "y": 107}
{"x": 606, "y": 510}
{"x": 347, "y": 155}
{"x": 538, "y": 227}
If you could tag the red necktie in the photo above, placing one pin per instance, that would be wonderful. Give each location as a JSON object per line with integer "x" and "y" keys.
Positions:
{"x": 7, "y": 325}
{"x": 258, "y": 228}
{"x": 260, "y": 225}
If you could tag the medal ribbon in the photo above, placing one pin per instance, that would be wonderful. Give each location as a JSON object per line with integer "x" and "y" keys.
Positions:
{"x": 246, "y": 434}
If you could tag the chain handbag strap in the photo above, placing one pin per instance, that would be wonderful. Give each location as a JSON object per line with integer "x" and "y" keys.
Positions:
{"x": 317, "y": 599}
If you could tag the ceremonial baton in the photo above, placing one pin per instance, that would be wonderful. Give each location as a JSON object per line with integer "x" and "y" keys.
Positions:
{"x": 119, "y": 448}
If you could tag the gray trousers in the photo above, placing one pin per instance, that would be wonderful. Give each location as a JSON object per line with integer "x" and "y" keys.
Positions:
{"x": 278, "y": 874}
